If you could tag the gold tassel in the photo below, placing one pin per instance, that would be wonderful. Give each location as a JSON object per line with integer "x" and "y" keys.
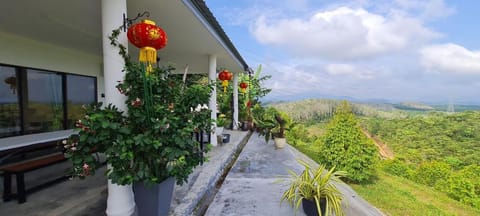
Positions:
{"x": 148, "y": 55}
{"x": 224, "y": 84}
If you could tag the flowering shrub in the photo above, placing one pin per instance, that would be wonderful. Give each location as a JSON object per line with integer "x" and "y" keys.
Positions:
{"x": 154, "y": 139}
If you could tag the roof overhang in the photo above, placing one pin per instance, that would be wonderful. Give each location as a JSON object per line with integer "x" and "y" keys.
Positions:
{"x": 193, "y": 33}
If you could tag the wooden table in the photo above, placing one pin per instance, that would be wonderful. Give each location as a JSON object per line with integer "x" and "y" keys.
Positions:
{"x": 32, "y": 139}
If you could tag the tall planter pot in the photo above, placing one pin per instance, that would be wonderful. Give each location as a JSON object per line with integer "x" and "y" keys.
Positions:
{"x": 280, "y": 142}
{"x": 247, "y": 125}
{"x": 310, "y": 208}
{"x": 154, "y": 200}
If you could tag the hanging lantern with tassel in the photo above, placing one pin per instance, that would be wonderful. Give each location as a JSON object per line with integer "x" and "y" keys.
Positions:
{"x": 225, "y": 76}
{"x": 243, "y": 87}
{"x": 149, "y": 38}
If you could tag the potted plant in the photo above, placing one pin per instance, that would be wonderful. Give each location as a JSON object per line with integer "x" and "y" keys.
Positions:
{"x": 220, "y": 124}
{"x": 316, "y": 189}
{"x": 152, "y": 142}
{"x": 245, "y": 117}
{"x": 283, "y": 123}
{"x": 265, "y": 120}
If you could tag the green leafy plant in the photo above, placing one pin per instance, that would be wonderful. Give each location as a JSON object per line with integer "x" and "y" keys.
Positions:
{"x": 153, "y": 140}
{"x": 221, "y": 120}
{"x": 347, "y": 148}
{"x": 314, "y": 184}
{"x": 265, "y": 120}
{"x": 284, "y": 124}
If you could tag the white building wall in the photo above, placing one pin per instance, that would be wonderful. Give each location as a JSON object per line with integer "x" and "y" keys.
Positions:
{"x": 21, "y": 51}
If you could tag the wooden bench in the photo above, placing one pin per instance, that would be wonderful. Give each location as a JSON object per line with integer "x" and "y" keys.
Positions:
{"x": 22, "y": 154}
{"x": 19, "y": 169}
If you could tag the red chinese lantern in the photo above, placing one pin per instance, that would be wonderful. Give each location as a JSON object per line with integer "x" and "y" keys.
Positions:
{"x": 243, "y": 87}
{"x": 225, "y": 76}
{"x": 149, "y": 38}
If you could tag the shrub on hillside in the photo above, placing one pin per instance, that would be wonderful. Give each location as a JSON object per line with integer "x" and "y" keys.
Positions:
{"x": 397, "y": 167}
{"x": 347, "y": 148}
{"x": 463, "y": 185}
{"x": 428, "y": 173}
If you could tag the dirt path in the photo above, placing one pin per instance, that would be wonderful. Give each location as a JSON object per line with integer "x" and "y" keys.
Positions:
{"x": 383, "y": 149}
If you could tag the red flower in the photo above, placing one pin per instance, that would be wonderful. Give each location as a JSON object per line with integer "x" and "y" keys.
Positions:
{"x": 137, "y": 102}
{"x": 86, "y": 169}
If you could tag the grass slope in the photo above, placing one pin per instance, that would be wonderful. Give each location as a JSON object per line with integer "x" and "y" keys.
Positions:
{"x": 398, "y": 196}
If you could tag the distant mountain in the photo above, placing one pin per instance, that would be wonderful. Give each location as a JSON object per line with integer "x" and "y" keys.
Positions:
{"x": 415, "y": 106}
{"x": 319, "y": 109}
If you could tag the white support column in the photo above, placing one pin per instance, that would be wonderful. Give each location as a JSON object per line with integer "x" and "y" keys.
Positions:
{"x": 120, "y": 198}
{"x": 212, "y": 104}
{"x": 235, "y": 101}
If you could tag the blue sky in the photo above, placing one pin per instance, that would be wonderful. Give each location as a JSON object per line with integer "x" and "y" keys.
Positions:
{"x": 399, "y": 50}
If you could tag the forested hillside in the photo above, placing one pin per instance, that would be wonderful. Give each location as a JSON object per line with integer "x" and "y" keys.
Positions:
{"x": 323, "y": 109}
{"x": 440, "y": 150}
{"x": 437, "y": 149}
{"x": 453, "y": 138}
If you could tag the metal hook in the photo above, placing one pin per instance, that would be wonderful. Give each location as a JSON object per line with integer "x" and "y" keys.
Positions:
{"x": 127, "y": 22}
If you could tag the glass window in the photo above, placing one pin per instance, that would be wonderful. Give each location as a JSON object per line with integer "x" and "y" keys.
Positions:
{"x": 10, "y": 123}
{"x": 81, "y": 90}
{"x": 44, "y": 104}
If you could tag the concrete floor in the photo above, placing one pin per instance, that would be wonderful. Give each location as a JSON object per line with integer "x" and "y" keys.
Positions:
{"x": 70, "y": 197}
{"x": 88, "y": 197}
{"x": 256, "y": 182}
{"x": 250, "y": 188}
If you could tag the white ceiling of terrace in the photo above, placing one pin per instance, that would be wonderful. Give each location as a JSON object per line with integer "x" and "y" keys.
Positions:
{"x": 77, "y": 25}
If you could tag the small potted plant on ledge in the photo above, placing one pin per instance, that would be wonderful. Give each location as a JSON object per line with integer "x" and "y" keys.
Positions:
{"x": 220, "y": 124}
{"x": 283, "y": 123}
{"x": 150, "y": 144}
{"x": 316, "y": 190}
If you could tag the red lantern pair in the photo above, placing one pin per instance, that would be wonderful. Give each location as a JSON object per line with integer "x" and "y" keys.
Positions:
{"x": 149, "y": 38}
{"x": 243, "y": 87}
{"x": 225, "y": 76}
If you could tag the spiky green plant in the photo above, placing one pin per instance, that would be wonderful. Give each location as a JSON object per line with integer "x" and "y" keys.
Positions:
{"x": 315, "y": 184}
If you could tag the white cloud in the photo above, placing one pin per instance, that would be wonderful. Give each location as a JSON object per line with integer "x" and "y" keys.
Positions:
{"x": 340, "y": 69}
{"x": 349, "y": 70}
{"x": 450, "y": 58}
{"x": 342, "y": 33}
{"x": 427, "y": 10}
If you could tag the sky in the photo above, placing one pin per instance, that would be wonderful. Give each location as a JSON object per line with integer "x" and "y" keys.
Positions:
{"x": 394, "y": 50}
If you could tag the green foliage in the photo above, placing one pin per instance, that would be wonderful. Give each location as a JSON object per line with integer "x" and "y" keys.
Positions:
{"x": 440, "y": 145}
{"x": 398, "y": 168}
{"x": 463, "y": 185}
{"x": 283, "y": 124}
{"x": 347, "y": 148}
{"x": 256, "y": 90}
{"x": 434, "y": 136}
{"x": 264, "y": 118}
{"x": 270, "y": 122}
{"x": 315, "y": 184}
{"x": 153, "y": 140}
{"x": 428, "y": 173}
{"x": 298, "y": 135}
{"x": 430, "y": 148}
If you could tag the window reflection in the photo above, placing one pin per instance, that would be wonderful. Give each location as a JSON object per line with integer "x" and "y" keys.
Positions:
{"x": 36, "y": 101}
{"x": 44, "y": 106}
{"x": 81, "y": 91}
{"x": 9, "y": 106}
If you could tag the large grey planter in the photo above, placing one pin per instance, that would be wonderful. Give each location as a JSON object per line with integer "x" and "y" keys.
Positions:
{"x": 154, "y": 200}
